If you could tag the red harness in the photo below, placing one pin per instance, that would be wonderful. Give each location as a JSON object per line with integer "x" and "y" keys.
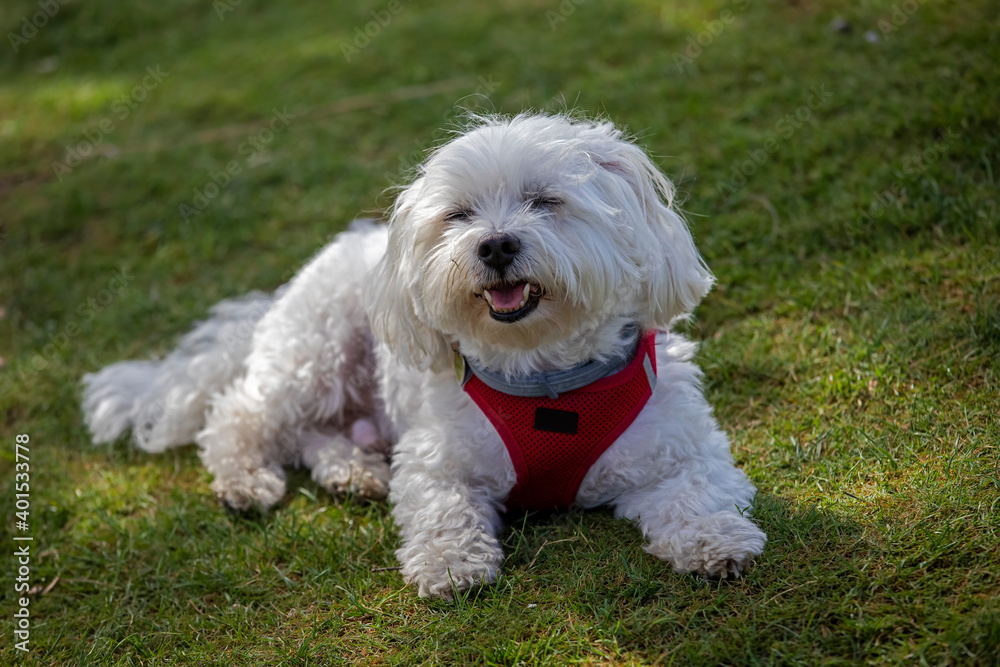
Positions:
{"x": 554, "y": 442}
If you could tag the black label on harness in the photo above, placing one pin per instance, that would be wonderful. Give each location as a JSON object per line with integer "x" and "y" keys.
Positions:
{"x": 556, "y": 421}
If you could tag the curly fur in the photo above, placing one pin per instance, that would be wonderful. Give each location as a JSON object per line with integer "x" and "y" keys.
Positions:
{"x": 352, "y": 359}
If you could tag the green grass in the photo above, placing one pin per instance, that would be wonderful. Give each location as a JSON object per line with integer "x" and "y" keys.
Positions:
{"x": 851, "y": 347}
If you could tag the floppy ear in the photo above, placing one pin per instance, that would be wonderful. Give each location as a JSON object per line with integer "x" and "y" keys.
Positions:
{"x": 392, "y": 294}
{"x": 676, "y": 276}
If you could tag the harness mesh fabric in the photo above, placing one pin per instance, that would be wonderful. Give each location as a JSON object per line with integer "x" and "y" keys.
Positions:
{"x": 554, "y": 442}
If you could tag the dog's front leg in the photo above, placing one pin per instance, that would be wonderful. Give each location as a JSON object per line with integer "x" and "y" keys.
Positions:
{"x": 698, "y": 522}
{"x": 449, "y": 524}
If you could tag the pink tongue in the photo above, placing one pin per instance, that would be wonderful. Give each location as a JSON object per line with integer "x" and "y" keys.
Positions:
{"x": 507, "y": 297}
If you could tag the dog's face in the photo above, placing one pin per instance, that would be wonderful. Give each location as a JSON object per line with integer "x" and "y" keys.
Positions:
{"x": 527, "y": 233}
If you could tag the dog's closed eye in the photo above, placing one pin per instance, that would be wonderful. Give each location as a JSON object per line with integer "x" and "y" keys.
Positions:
{"x": 543, "y": 201}
{"x": 458, "y": 215}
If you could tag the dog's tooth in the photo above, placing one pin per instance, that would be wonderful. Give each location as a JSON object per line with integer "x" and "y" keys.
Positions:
{"x": 524, "y": 295}
{"x": 488, "y": 297}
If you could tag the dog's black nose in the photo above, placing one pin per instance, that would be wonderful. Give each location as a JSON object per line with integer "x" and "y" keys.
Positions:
{"x": 498, "y": 250}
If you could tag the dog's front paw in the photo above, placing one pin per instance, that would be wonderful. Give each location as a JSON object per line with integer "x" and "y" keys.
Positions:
{"x": 718, "y": 546}
{"x": 441, "y": 569}
{"x": 255, "y": 489}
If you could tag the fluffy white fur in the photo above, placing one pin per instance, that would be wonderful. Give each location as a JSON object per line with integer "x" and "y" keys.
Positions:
{"x": 353, "y": 359}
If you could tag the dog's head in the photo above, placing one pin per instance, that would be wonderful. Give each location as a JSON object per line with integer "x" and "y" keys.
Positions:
{"x": 530, "y": 241}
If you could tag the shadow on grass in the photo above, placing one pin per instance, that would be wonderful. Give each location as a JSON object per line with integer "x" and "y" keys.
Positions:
{"x": 798, "y": 590}
{"x": 805, "y": 590}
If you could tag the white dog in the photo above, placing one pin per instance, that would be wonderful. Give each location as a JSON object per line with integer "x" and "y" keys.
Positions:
{"x": 542, "y": 254}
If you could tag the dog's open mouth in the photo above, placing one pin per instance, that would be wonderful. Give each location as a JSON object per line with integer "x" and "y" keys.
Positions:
{"x": 510, "y": 302}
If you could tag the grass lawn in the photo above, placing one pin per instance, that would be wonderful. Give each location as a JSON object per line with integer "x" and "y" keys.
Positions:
{"x": 841, "y": 183}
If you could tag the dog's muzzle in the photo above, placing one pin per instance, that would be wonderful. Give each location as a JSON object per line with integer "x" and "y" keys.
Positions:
{"x": 510, "y": 299}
